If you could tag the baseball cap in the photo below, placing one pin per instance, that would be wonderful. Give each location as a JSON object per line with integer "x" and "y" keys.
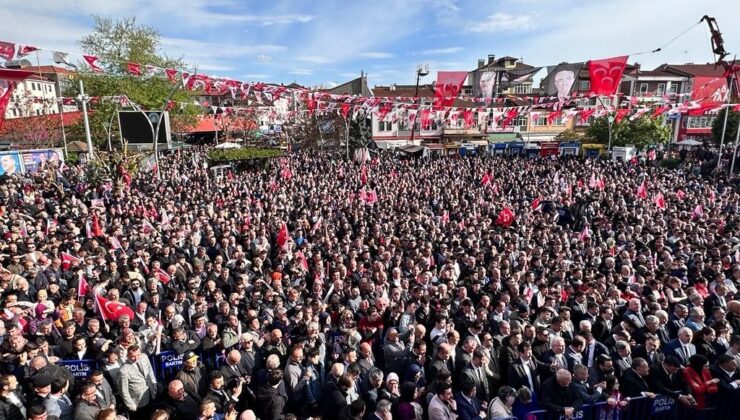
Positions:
{"x": 189, "y": 355}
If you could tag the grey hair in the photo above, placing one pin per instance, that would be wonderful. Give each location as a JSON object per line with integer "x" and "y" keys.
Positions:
{"x": 375, "y": 374}
{"x": 384, "y": 406}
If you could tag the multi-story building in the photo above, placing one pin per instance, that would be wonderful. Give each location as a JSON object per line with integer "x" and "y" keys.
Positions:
{"x": 32, "y": 97}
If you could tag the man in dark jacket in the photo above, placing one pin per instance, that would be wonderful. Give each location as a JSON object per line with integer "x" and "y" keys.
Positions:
{"x": 183, "y": 405}
{"x": 558, "y": 395}
{"x": 633, "y": 383}
{"x": 270, "y": 403}
{"x": 193, "y": 376}
{"x": 665, "y": 379}
{"x": 335, "y": 397}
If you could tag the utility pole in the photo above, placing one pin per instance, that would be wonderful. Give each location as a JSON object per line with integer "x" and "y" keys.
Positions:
{"x": 83, "y": 99}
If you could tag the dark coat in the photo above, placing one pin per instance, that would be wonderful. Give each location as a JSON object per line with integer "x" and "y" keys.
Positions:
{"x": 554, "y": 398}
{"x": 270, "y": 403}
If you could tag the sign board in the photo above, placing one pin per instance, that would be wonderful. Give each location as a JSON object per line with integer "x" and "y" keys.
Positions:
{"x": 136, "y": 127}
{"x": 170, "y": 360}
{"x": 10, "y": 163}
{"x": 81, "y": 369}
{"x": 663, "y": 404}
{"x": 33, "y": 160}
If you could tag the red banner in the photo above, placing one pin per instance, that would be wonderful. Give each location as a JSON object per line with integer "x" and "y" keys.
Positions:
{"x": 710, "y": 90}
{"x": 447, "y": 88}
{"x": 606, "y": 74}
{"x": 134, "y": 69}
{"x": 7, "y": 50}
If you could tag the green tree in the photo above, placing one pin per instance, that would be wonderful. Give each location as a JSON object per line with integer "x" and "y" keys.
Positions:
{"x": 569, "y": 135}
{"x": 642, "y": 132}
{"x": 732, "y": 123}
{"x": 598, "y": 131}
{"x": 116, "y": 43}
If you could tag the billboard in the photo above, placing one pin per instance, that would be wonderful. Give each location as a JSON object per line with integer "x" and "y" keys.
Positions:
{"x": 33, "y": 160}
{"x": 136, "y": 127}
{"x": 10, "y": 163}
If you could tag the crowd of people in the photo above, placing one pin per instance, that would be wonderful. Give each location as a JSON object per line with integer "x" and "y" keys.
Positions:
{"x": 317, "y": 287}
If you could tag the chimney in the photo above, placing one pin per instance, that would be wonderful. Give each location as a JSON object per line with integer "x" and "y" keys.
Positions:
{"x": 491, "y": 58}
{"x": 481, "y": 63}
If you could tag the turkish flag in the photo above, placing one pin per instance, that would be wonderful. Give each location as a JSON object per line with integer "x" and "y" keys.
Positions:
{"x": 447, "y": 87}
{"x": 92, "y": 61}
{"x": 505, "y": 217}
{"x": 95, "y": 228}
{"x": 536, "y": 203}
{"x": 84, "y": 288}
{"x": 345, "y": 109}
{"x": 68, "y": 259}
{"x": 710, "y": 90}
{"x": 606, "y": 74}
{"x": 112, "y": 310}
{"x": 660, "y": 201}
{"x": 301, "y": 259}
{"x": 282, "y": 237}
{"x": 162, "y": 275}
{"x": 642, "y": 190}
{"x": 7, "y": 50}
{"x": 134, "y": 69}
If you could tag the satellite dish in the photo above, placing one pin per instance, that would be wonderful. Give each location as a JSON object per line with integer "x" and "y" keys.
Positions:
{"x": 153, "y": 117}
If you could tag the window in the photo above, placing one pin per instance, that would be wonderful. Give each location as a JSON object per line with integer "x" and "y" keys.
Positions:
{"x": 558, "y": 121}
{"x": 661, "y": 89}
{"x": 584, "y": 85}
{"x": 643, "y": 88}
{"x": 403, "y": 123}
{"x": 540, "y": 120}
{"x": 385, "y": 126}
{"x": 673, "y": 88}
{"x": 520, "y": 121}
{"x": 523, "y": 89}
{"x": 38, "y": 112}
{"x": 703, "y": 121}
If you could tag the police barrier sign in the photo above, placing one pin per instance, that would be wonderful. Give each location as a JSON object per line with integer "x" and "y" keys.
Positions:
{"x": 576, "y": 415}
{"x": 79, "y": 368}
{"x": 170, "y": 360}
{"x": 663, "y": 404}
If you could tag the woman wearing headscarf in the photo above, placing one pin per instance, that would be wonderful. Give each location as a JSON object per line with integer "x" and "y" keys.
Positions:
{"x": 700, "y": 380}
{"x": 408, "y": 408}
{"x": 392, "y": 391}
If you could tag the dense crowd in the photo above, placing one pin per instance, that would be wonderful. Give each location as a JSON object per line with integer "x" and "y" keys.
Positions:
{"x": 470, "y": 288}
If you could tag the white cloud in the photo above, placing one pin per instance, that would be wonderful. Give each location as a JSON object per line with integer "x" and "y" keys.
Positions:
{"x": 348, "y": 74}
{"x": 193, "y": 49}
{"x": 256, "y": 76}
{"x": 376, "y": 54}
{"x": 317, "y": 59}
{"x": 263, "y": 58}
{"x": 330, "y": 85}
{"x": 301, "y": 72}
{"x": 450, "y": 50}
{"x": 500, "y": 21}
{"x": 214, "y": 67}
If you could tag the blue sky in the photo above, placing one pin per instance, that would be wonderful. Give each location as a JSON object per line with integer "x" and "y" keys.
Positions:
{"x": 324, "y": 42}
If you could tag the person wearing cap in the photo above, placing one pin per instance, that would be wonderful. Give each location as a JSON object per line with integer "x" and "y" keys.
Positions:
{"x": 193, "y": 376}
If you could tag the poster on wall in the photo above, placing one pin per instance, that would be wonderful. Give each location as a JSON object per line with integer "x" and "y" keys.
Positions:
{"x": 10, "y": 163}
{"x": 34, "y": 160}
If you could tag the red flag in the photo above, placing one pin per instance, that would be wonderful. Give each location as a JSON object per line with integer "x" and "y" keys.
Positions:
{"x": 92, "y": 61}
{"x": 24, "y": 50}
{"x": 7, "y": 50}
{"x": 486, "y": 179}
{"x": 447, "y": 87}
{"x": 536, "y": 203}
{"x": 162, "y": 275}
{"x": 585, "y": 114}
{"x": 659, "y": 201}
{"x": 230, "y": 175}
{"x": 84, "y": 287}
{"x": 712, "y": 196}
{"x": 642, "y": 190}
{"x": 621, "y": 114}
{"x": 551, "y": 117}
{"x": 600, "y": 184}
{"x": 680, "y": 194}
{"x": 171, "y": 75}
{"x": 95, "y": 227}
{"x": 345, "y": 109}
{"x": 115, "y": 243}
{"x": 710, "y": 90}
{"x": 585, "y": 234}
{"x": 606, "y": 74}
{"x": 112, "y": 310}
{"x": 282, "y": 237}
{"x": 468, "y": 118}
{"x": 134, "y": 69}
{"x": 509, "y": 117}
{"x": 363, "y": 174}
{"x": 148, "y": 227}
{"x": 383, "y": 110}
{"x": 505, "y": 217}
{"x": 68, "y": 259}
{"x": 302, "y": 261}
{"x": 425, "y": 120}
{"x": 698, "y": 211}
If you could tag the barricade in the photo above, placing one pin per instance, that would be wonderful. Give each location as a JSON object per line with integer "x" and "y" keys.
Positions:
{"x": 662, "y": 407}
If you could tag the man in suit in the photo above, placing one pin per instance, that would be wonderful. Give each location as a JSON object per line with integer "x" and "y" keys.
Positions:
{"x": 103, "y": 390}
{"x": 682, "y": 346}
{"x": 475, "y": 372}
{"x": 232, "y": 369}
{"x": 585, "y": 392}
{"x": 182, "y": 404}
{"x": 652, "y": 326}
{"x": 218, "y": 393}
{"x": 603, "y": 366}
{"x": 665, "y": 379}
{"x": 382, "y": 411}
{"x": 469, "y": 406}
{"x": 634, "y": 313}
{"x": 650, "y": 351}
{"x": 443, "y": 406}
{"x": 464, "y": 355}
{"x": 632, "y": 382}
{"x": 558, "y": 396}
{"x": 602, "y": 327}
{"x": 138, "y": 384}
{"x": 622, "y": 357}
{"x": 554, "y": 358}
{"x": 729, "y": 380}
{"x": 593, "y": 348}
{"x": 525, "y": 370}
{"x": 717, "y": 300}
{"x": 574, "y": 352}
{"x": 677, "y": 320}
{"x": 442, "y": 360}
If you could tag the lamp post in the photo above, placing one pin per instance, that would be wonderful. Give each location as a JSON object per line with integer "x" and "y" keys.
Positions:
{"x": 83, "y": 100}
{"x": 421, "y": 71}
{"x": 611, "y": 123}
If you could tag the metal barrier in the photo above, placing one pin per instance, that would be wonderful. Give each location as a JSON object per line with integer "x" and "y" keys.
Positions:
{"x": 661, "y": 407}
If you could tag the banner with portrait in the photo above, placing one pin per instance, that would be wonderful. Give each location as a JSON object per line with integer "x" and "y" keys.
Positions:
{"x": 483, "y": 82}
{"x": 34, "y": 160}
{"x": 561, "y": 79}
{"x": 10, "y": 163}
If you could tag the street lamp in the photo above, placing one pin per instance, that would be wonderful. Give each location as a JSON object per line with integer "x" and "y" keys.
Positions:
{"x": 84, "y": 100}
{"x": 421, "y": 71}
{"x": 611, "y": 123}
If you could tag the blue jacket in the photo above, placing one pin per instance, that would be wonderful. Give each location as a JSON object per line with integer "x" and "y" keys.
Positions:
{"x": 466, "y": 410}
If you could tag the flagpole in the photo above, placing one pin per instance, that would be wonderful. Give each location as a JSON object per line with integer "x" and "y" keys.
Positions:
{"x": 86, "y": 121}
{"x": 727, "y": 114}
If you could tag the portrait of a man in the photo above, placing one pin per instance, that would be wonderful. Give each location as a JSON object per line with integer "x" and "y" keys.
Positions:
{"x": 564, "y": 80}
{"x": 487, "y": 83}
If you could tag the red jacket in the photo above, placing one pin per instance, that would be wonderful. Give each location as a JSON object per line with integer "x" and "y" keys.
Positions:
{"x": 698, "y": 385}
